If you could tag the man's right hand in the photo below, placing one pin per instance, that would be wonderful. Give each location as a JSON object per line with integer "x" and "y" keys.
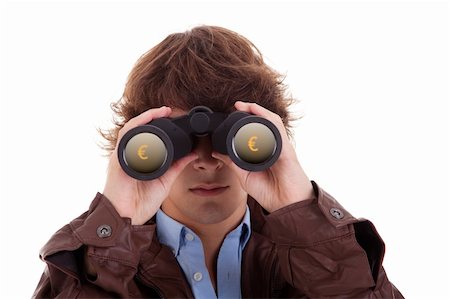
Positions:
{"x": 132, "y": 198}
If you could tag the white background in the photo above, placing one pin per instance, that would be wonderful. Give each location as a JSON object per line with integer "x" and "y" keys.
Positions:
{"x": 372, "y": 77}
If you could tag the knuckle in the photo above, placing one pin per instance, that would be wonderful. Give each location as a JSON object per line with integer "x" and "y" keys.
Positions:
{"x": 125, "y": 128}
{"x": 277, "y": 117}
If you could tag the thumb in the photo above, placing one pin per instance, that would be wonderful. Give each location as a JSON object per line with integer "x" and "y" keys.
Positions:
{"x": 241, "y": 173}
{"x": 224, "y": 158}
{"x": 178, "y": 166}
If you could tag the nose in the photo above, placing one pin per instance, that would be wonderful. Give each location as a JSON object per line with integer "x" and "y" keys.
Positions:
{"x": 205, "y": 160}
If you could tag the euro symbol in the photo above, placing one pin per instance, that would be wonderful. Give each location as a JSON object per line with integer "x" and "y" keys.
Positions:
{"x": 251, "y": 143}
{"x": 141, "y": 152}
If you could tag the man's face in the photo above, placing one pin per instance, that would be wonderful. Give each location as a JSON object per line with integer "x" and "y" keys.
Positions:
{"x": 206, "y": 191}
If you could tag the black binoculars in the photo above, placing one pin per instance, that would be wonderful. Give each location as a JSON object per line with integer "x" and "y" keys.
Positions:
{"x": 252, "y": 142}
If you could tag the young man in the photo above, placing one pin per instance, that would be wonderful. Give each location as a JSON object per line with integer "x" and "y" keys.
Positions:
{"x": 208, "y": 228}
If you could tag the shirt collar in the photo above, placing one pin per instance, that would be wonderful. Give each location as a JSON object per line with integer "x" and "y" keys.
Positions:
{"x": 170, "y": 232}
{"x": 245, "y": 227}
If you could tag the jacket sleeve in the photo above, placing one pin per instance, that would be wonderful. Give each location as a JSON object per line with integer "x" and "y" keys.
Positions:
{"x": 324, "y": 251}
{"x": 98, "y": 252}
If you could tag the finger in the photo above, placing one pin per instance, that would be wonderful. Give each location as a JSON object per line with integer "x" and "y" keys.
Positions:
{"x": 176, "y": 168}
{"x": 254, "y": 108}
{"x": 224, "y": 158}
{"x": 228, "y": 162}
{"x": 145, "y": 117}
{"x": 258, "y": 110}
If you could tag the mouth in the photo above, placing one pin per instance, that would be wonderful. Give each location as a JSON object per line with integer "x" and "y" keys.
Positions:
{"x": 208, "y": 190}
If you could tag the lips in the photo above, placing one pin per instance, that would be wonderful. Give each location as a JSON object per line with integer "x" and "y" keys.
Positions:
{"x": 208, "y": 189}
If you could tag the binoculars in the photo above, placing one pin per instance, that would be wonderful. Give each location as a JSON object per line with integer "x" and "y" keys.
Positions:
{"x": 146, "y": 152}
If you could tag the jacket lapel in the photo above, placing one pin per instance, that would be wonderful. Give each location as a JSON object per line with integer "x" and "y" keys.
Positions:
{"x": 159, "y": 270}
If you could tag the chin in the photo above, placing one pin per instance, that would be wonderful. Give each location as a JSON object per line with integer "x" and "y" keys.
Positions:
{"x": 211, "y": 213}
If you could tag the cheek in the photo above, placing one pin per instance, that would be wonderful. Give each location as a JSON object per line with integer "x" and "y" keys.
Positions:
{"x": 186, "y": 175}
{"x": 178, "y": 187}
{"x": 235, "y": 181}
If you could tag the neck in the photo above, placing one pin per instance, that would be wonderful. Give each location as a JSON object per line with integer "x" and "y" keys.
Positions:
{"x": 211, "y": 234}
{"x": 209, "y": 231}
{"x": 220, "y": 229}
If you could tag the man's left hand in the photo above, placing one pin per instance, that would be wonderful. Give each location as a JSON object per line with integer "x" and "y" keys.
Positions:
{"x": 280, "y": 185}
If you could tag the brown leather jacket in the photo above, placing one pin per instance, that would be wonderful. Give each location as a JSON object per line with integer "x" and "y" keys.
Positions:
{"x": 310, "y": 249}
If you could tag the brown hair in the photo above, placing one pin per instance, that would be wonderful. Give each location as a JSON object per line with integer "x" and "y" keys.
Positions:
{"x": 207, "y": 65}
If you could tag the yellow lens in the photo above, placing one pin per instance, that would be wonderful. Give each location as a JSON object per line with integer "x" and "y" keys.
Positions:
{"x": 145, "y": 153}
{"x": 254, "y": 143}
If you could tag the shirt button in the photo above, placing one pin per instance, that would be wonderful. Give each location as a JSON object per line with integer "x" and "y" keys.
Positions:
{"x": 336, "y": 213}
{"x": 189, "y": 237}
{"x": 198, "y": 276}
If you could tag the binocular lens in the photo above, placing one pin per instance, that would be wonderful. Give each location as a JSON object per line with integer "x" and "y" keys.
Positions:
{"x": 145, "y": 153}
{"x": 254, "y": 143}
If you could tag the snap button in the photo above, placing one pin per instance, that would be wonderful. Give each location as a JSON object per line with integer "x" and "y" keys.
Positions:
{"x": 336, "y": 213}
{"x": 104, "y": 231}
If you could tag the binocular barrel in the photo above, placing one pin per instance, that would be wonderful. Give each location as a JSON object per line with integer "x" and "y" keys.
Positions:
{"x": 252, "y": 142}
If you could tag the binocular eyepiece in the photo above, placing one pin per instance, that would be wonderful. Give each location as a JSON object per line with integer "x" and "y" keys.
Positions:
{"x": 252, "y": 142}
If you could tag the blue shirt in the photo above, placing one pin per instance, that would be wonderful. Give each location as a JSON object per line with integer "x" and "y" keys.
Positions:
{"x": 188, "y": 250}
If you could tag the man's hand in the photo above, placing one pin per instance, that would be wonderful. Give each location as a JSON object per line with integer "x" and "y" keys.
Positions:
{"x": 282, "y": 184}
{"x": 135, "y": 199}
